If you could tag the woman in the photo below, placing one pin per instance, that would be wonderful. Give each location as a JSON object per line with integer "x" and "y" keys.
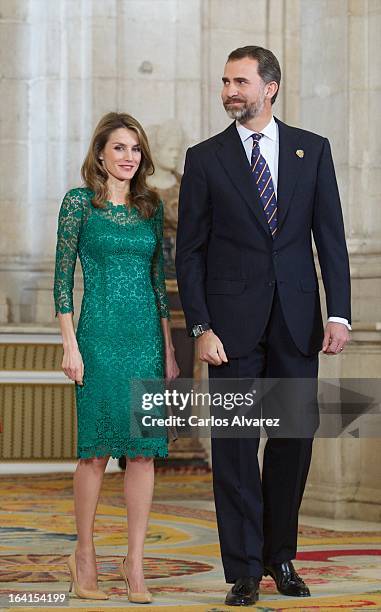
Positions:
{"x": 115, "y": 225}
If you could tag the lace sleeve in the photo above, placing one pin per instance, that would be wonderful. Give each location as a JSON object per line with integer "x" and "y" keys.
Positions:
{"x": 69, "y": 223}
{"x": 158, "y": 278}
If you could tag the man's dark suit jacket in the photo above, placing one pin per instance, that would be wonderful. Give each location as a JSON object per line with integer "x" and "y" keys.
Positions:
{"x": 227, "y": 262}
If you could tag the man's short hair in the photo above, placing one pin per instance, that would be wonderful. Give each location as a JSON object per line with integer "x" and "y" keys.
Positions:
{"x": 268, "y": 65}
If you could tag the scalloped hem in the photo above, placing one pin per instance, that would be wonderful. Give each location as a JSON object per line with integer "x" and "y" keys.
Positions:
{"x": 130, "y": 453}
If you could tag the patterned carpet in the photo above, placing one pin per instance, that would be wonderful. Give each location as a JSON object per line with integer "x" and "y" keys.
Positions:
{"x": 182, "y": 564}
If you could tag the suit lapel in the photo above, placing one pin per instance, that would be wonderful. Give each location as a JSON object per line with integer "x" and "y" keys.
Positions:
{"x": 289, "y": 168}
{"x": 233, "y": 158}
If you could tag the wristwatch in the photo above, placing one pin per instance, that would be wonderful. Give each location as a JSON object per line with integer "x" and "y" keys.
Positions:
{"x": 198, "y": 330}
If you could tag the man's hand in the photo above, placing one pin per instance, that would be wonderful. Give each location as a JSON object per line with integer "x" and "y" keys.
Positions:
{"x": 209, "y": 348}
{"x": 336, "y": 336}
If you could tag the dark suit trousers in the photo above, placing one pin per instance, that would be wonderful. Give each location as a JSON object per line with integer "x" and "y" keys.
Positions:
{"x": 258, "y": 520}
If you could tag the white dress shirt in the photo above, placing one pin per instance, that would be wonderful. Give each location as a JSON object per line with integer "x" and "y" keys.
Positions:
{"x": 269, "y": 148}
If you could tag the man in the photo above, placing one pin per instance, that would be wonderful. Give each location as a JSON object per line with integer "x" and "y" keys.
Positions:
{"x": 250, "y": 200}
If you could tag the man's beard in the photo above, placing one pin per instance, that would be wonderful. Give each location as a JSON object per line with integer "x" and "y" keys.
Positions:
{"x": 246, "y": 111}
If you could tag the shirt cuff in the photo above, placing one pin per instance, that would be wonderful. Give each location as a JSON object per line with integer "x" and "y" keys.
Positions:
{"x": 340, "y": 320}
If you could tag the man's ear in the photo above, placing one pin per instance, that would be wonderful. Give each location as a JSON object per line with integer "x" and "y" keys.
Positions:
{"x": 267, "y": 92}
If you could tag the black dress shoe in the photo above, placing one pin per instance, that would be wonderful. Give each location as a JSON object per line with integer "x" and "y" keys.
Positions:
{"x": 287, "y": 580}
{"x": 244, "y": 592}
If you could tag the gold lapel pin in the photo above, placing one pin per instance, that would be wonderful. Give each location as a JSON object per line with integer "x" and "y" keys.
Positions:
{"x": 300, "y": 152}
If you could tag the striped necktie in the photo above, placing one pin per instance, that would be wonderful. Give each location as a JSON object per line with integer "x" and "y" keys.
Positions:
{"x": 262, "y": 177}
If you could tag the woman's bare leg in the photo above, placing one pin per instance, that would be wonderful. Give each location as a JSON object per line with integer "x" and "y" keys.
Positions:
{"x": 87, "y": 484}
{"x": 138, "y": 491}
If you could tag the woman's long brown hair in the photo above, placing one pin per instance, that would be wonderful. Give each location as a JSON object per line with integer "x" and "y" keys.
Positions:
{"x": 95, "y": 177}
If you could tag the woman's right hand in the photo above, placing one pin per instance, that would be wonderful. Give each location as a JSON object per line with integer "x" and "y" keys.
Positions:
{"x": 72, "y": 365}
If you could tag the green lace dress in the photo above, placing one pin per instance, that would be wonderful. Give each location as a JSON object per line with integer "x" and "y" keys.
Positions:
{"x": 119, "y": 329}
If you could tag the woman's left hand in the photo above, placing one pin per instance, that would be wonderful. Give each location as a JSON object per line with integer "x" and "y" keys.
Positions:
{"x": 171, "y": 368}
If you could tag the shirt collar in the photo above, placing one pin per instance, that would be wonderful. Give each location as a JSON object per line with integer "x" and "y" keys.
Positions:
{"x": 270, "y": 130}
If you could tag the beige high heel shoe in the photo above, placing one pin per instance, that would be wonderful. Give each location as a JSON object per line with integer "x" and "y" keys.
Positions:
{"x": 142, "y": 598}
{"x": 78, "y": 590}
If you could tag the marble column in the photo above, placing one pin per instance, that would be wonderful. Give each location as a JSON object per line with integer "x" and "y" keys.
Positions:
{"x": 15, "y": 72}
{"x": 339, "y": 98}
{"x": 340, "y": 75}
{"x": 44, "y": 59}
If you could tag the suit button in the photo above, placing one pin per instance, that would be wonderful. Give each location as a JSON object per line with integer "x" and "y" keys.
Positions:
{"x": 275, "y": 253}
